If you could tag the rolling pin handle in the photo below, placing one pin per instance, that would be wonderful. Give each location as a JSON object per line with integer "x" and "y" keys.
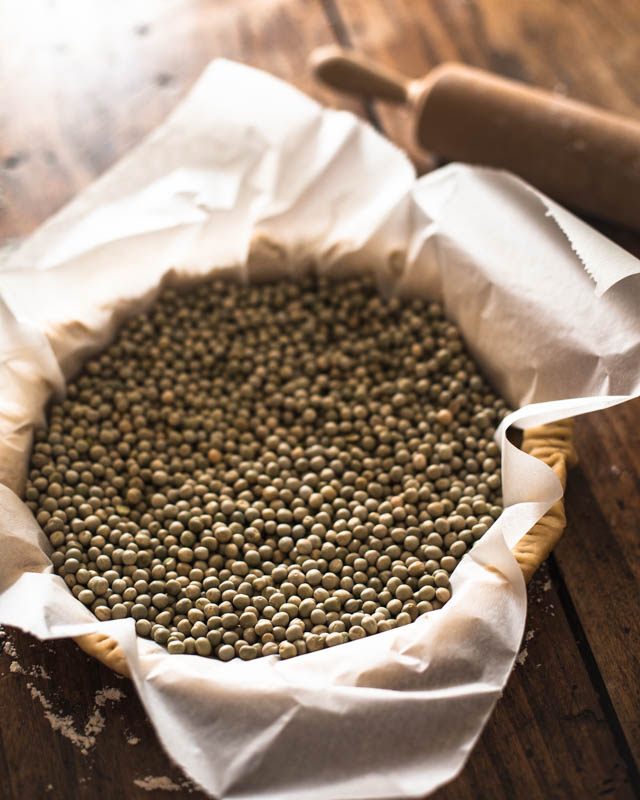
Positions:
{"x": 351, "y": 72}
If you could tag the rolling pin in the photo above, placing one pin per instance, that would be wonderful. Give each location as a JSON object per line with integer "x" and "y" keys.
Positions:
{"x": 584, "y": 157}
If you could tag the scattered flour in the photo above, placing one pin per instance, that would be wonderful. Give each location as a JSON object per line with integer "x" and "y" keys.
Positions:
{"x": 38, "y": 672}
{"x": 9, "y": 649}
{"x": 65, "y": 725}
{"x": 153, "y": 784}
{"x": 522, "y": 655}
{"x": 539, "y": 589}
{"x": 132, "y": 739}
{"x": 35, "y": 671}
{"x": 94, "y": 725}
{"x": 112, "y": 694}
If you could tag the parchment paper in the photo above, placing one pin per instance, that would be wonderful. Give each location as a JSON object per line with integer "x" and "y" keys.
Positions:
{"x": 248, "y": 174}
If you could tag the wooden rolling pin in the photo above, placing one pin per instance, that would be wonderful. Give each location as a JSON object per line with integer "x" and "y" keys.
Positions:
{"x": 582, "y": 156}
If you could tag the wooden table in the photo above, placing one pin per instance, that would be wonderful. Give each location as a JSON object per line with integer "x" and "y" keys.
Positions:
{"x": 80, "y": 84}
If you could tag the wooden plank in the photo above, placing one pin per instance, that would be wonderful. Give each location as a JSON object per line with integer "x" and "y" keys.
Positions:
{"x": 548, "y": 736}
{"x": 71, "y": 728}
{"x": 599, "y": 556}
{"x": 90, "y": 80}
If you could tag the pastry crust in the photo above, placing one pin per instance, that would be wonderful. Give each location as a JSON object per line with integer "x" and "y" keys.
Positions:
{"x": 105, "y": 649}
{"x": 552, "y": 443}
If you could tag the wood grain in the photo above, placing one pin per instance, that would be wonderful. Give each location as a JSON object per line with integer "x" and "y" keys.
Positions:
{"x": 72, "y": 728}
{"x": 599, "y": 557}
{"x": 548, "y": 736}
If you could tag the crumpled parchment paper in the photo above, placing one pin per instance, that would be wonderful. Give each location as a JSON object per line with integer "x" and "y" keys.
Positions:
{"x": 248, "y": 174}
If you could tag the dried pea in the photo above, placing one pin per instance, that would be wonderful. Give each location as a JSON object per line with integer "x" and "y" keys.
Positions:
{"x": 296, "y": 464}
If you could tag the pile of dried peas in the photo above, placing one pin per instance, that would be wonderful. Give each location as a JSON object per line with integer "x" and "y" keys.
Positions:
{"x": 270, "y": 469}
